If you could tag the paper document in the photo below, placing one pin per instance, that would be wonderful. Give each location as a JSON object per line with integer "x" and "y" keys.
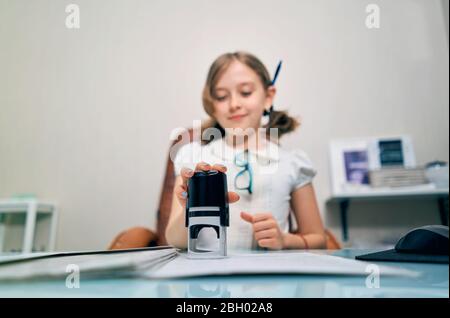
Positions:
{"x": 271, "y": 263}
{"x": 90, "y": 264}
{"x": 159, "y": 263}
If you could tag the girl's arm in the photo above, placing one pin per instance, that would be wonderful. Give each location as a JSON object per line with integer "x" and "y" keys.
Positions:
{"x": 307, "y": 215}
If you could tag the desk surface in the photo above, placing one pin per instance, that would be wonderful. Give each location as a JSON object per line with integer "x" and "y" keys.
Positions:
{"x": 432, "y": 283}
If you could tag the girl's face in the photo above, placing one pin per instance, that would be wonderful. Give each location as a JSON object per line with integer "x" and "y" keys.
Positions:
{"x": 240, "y": 97}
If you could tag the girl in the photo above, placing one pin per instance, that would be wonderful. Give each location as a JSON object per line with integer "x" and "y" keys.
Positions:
{"x": 238, "y": 95}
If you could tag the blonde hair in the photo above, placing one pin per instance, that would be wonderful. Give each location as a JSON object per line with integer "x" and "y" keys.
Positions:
{"x": 277, "y": 119}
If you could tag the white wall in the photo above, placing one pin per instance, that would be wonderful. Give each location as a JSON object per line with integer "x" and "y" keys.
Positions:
{"x": 85, "y": 114}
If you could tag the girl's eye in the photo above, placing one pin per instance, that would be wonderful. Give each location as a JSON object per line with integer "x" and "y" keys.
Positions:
{"x": 221, "y": 98}
{"x": 246, "y": 94}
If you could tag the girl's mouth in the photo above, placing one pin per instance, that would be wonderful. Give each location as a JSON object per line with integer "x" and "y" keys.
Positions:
{"x": 236, "y": 117}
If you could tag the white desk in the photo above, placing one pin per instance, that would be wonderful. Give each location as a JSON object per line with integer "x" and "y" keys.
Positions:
{"x": 343, "y": 199}
{"x": 32, "y": 208}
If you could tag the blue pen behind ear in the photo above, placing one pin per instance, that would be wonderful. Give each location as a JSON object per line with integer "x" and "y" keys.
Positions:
{"x": 267, "y": 112}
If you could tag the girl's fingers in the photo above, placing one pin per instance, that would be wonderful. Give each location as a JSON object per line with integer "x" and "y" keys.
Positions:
{"x": 233, "y": 197}
{"x": 257, "y": 217}
{"x": 263, "y": 225}
{"x": 202, "y": 166}
{"x": 267, "y": 243}
{"x": 219, "y": 167}
{"x": 181, "y": 193}
{"x": 247, "y": 217}
{"x": 186, "y": 173}
{"x": 266, "y": 234}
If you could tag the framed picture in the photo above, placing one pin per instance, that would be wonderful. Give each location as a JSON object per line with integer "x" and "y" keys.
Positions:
{"x": 352, "y": 159}
{"x": 391, "y": 152}
{"x": 349, "y": 165}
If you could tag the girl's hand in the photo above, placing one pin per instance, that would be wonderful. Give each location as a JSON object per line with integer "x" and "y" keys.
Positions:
{"x": 186, "y": 173}
{"x": 265, "y": 230}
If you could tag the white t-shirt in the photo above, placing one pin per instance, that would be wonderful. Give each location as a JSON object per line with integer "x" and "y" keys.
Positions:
{"x": 276, "y": 174}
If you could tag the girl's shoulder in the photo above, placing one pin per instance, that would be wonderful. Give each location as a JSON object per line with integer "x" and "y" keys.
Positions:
{"x": 296, "y": 156}
{"x": 299, "y": 166}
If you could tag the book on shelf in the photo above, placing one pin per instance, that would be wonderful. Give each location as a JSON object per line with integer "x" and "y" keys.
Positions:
{"x": 397, "y": 177}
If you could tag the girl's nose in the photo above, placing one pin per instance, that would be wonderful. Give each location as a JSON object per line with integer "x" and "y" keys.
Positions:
{"x": 234, "y": 103}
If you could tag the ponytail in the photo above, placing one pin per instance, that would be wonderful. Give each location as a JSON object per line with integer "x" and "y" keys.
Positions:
{"x": 282, "y": 121}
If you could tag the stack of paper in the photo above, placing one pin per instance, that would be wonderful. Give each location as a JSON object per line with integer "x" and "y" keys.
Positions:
{"x": 286, "y": 262}
{"x": 397, "y": 177}
{"x": 93, "y": 264}
{"x": 167, "y": 262}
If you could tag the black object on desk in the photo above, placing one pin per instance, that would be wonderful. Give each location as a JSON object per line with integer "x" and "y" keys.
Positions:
{"x": 207, "y": 207}
{"x": 426, "y": 244}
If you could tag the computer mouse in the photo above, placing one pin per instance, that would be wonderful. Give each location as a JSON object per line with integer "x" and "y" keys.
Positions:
{"x": 430, "y": 239}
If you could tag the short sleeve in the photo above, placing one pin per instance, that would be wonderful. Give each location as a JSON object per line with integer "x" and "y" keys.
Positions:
{"x": 187, "y": 157}
{"x": 303, "y": 168}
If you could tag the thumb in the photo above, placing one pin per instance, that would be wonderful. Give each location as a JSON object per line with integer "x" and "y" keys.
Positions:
{"x": 233, "y": 197}
{"x": 247, "y": 217}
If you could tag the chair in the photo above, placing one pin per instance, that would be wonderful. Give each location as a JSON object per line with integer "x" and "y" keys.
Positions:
{"x": 137, "y": 237}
